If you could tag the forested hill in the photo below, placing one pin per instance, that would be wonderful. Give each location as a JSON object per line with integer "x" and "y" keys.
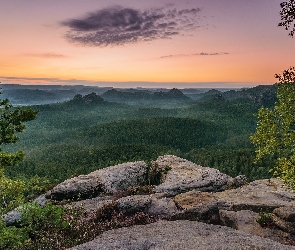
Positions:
{"x": 87, "y": 132}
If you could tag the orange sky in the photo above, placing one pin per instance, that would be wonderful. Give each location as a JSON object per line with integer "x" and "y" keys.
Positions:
{"x": 230, "y": 43}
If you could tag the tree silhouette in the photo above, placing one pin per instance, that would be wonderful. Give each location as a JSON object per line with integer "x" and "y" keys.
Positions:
{"x": 288, "y": 16}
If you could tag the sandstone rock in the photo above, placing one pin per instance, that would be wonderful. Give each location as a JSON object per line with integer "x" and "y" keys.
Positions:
{"x": 197, "y": 205}
{"x": 133, "y": 204}
{"x": 107, "y": 180}
{"x": 256, "y": 196}
{"x": 285, "y": 226}
{"x": 178, "y": 175}
{"x": 164, "y": 208}
{"x": 245, "y": 221}
{"x": 170, "y": 235}
{"x": 286, "y": 213}
{"x": 91, "y": 206}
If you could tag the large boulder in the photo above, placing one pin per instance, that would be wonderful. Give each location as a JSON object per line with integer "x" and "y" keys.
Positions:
{"x": 105, "y": 180}
{"x": 189, "y": 235}
{"x": 176, "y": 175}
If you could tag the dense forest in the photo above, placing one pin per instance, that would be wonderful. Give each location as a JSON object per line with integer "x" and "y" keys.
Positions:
{"x": 88, "y": 132}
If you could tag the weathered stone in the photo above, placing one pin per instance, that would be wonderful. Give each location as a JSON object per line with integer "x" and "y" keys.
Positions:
{"x": 189, "y": 235}
{"x": 285, "y": 226}
{"x": 243, "y": 220}
{"x": 247, "y": 221}
{"x": 107, "y": 180}
{"x": 164, "y": 207}
{"x": 239, "y": 181}
{"x": 178, "y": 175}
{"x": 133, "y": 204}
{"x": 197, "y": 205}
{"x": 286, "y": 213}
{"x": 256, "y": 196}
{"x": 80, "y": 187}
{"x": 91, "y": 206}
{"x": 12, "y": 218}
{"x": 228, "y": 218}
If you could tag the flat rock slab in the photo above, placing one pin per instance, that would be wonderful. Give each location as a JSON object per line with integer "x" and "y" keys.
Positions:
{"x": 171, "y": 235}
{"x": 178, "y": 175}
{"x": 257, "y": 195}
{"x": 105, "y": 180}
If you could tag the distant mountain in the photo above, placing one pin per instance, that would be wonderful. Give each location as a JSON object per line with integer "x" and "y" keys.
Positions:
{"x": 171, "y": 94}
{"x": 262, "y": 95}
{"x": 129, "y": 94}
{"x": 45, "y": 94}
{"x": 114, "y": 94}
{"x": 91, "y": 98}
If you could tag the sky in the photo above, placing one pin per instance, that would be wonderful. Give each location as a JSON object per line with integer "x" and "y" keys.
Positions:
{"x": 136, "y": 43}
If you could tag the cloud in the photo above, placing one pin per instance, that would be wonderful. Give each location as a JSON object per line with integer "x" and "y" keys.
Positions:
{"x": 116, "y": 25}
{"x": 47, "y": 55}
{"x": 127, "y": 84}
{"x": 195, "y": 54}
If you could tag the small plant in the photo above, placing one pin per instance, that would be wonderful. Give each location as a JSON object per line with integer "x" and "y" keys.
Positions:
{"x": 12, "y": 237}
{"x": 264, "y": 218}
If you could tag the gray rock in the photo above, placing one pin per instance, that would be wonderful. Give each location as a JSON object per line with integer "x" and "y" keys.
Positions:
{"x": 178, "y": 175}
{"x": 133, "y": 204}
{"x": 171, "y": 235}
{"x": 91, "y": 206}
{"x": 80, "y": 187}
{"x": 106, "y": 180}
{"x": 243, "y": 220}
{"x": 164, "y": 208}
{"x": 12, "y": 217}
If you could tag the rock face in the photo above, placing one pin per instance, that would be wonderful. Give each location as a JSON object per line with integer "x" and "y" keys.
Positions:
{"x": 105, "y": 180}
{"x": 178, "y": 175}
{"x": 188, "y": 235}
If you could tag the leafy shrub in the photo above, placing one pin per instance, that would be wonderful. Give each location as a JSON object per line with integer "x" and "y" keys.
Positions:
{"x": 38, "y": 220}
{"x": 12, "y": 237}
{"x": 264, "y": 218}
{"x": 11, "y": 193}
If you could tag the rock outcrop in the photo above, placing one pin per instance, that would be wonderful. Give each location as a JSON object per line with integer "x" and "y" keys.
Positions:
{"x": 186, "y": 199}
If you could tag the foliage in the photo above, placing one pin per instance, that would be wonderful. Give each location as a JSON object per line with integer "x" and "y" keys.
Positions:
{"x": 264, "y": 219}
{"x": 12, "y": 237}
{"x": 288, "y": 16}
{"x": 275, "y": 134}
{"x": 68, "y": 139}
{"x": 82, "y": 227}
{"x": 37, "y": 223}
{"x": 37, "y": 220}
{"x": 11, "y": 193}
{"x": 11, "y": 123}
